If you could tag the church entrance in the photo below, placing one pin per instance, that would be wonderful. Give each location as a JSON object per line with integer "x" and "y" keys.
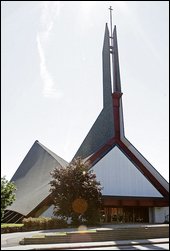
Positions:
{"x": 125, "y": 214}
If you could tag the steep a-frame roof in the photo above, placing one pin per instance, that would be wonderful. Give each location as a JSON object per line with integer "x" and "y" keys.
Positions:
{"x": 32, "y": 178}
{"x": 108, "y": 130}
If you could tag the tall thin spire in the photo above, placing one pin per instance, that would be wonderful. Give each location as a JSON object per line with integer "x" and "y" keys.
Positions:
{"x": 111, "y": 25}
{"x": 107, "y": 89}
{"x": 109, "y": 123}
{"x": 115, "y": 57}
{"x": 115, "y": 64}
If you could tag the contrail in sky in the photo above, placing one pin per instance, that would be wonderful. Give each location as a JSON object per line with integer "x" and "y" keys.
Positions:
{"x": 50, "y": 10}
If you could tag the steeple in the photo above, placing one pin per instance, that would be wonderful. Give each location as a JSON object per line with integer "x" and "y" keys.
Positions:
{"x": 109, "y": 124}
{"x": 115, "y": 57}
{"x": 116, "y": 96}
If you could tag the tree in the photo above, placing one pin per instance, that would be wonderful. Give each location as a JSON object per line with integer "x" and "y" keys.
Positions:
{"x": 76, "y": 193}
{"x": 7, "y": 194}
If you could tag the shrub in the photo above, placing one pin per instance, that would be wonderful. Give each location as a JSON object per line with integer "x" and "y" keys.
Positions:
{"x": 43, "y": 223}
{"x": 7, "y": 195}
{"x": 10, "y": 228}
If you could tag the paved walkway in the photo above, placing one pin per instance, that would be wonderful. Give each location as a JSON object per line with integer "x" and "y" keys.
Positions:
{"x": 10, "y": 241}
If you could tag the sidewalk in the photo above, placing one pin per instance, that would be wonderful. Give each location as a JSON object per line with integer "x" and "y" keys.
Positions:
{"x": 11, "y": 241}
{"x": 87, "y": 244}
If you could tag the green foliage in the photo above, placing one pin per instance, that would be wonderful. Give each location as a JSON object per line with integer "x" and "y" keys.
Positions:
{"x": 5, "y": 225}
{"x": 11, "y": 228}
{"x": 76, "y": 193}
{"x": 7, "y": 194}
{"x": 43, "y": 223}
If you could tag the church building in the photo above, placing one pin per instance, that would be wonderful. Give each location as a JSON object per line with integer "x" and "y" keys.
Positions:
{"x": 133, "y": 190}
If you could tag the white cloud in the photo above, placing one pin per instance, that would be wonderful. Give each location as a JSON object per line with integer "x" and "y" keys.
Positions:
{"x": 50, "y": 10}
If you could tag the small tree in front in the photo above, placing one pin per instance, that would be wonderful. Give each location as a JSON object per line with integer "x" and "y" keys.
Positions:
{"x": 7, "y": 194}
{"x": 76, "y": 193}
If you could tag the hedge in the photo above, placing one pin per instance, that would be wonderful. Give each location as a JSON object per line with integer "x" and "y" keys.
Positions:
{"x": 30, "y": 224}
{"x": 43, "y": 223}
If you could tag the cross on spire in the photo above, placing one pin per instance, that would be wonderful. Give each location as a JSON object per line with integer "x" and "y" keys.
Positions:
{"x": 110, "y": 8}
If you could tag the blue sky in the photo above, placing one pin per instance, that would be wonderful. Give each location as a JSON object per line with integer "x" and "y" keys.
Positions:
{"x": 52, "y": 76}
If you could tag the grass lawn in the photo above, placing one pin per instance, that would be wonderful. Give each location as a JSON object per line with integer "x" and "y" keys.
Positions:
{"x": 62, "y": 233}
{"x": 49, "y": 234}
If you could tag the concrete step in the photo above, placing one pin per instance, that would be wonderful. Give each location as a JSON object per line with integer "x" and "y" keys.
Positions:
{"x": 102, "y": 235}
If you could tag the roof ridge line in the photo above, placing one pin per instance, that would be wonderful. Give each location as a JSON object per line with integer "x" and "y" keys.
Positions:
{"x": 51, "y": 153}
